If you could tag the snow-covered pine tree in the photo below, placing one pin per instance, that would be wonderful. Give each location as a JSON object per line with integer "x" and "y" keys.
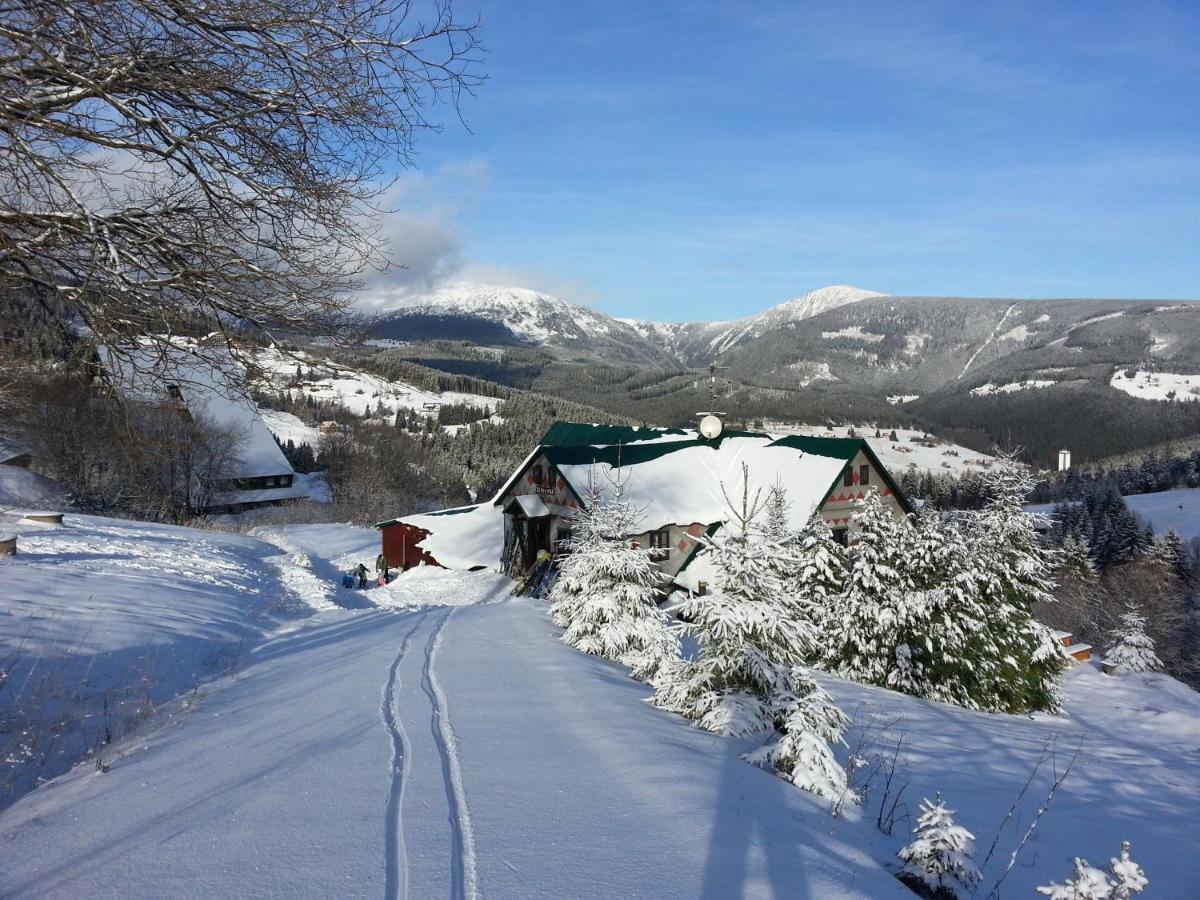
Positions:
{"x": 1128, "y": 877}
{"x": 1133, "y": 649}
{"x": 879, "y": 601}
{"x": 1019, "y": 661}
{"x": 809, "y": 565}
{"x": 1089, "y": 883}
{"x": 939, "y": 857}
{"x": 1077, "y": 560}
{"x": 821, "y": 575}
{"x": 746, "y": 638}
{"x": 606, "y": 590}
{"x": 809, "y": 724}
{"x": 747, "y": 677}
{"x": 1086, "y": 883}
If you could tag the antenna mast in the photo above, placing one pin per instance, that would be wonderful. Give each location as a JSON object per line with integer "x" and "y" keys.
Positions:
{"x": 710, "y": 420}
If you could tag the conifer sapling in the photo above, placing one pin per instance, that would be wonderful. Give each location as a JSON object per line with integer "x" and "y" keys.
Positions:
{"x": 1133, "y": 650}
{"x": 939, "y": 857}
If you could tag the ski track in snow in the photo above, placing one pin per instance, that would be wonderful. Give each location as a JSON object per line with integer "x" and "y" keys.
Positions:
{"x": 396, "y": 864}
{"x": 465, "y": 876}
{"x": 991, "y": 337}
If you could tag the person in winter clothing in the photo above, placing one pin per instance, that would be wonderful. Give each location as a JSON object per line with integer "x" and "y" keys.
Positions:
{"x": 361, "y": 572}
{"x": 381, "y": 568}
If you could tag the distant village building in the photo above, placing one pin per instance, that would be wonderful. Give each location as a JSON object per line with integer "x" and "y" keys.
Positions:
{"x": 1064, "y": 460}
{"x": 195, "y": 381}
{"x": 675, "y": 476}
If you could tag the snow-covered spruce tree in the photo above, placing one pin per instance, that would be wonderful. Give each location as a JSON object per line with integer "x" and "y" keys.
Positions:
{"x": 939, "y": 857}
{"x": 1133, "y": 650}
{"x": 810, "y": 567}
{"x": 1077, "y": 560}
{"x": 1128, "y": 877}
{"x": 747, "y": 677}
{"x": 1089, "y": 883}
{"x": 605, "y": 593}
{"x": 879, "y": 601}
{"x": 1019, "y": 661}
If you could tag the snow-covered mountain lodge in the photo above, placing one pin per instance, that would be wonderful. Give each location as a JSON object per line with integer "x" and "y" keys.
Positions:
{"x": 195, "y": 379}
{"x": 676, "y": 477}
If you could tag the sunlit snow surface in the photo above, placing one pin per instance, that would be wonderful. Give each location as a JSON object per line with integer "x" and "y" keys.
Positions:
{"x": 438, "y": 749}
{"x": 1157, "y": 385}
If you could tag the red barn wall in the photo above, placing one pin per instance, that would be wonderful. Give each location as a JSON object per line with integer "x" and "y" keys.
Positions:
{"x": 400, "y": 546}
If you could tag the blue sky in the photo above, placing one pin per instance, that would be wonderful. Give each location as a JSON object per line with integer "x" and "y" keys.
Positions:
{"x": 686, "y": 161}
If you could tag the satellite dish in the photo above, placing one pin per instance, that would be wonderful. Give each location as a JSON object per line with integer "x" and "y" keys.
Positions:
{"x": 711, "y": 427}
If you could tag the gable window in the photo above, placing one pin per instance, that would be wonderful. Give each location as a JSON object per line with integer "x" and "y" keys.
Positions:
{"x": 660, "y": 543}
{"x": 848, "y": 478}
{"x": 842, "y": 536}
{"x": 537, "y": 474}
{"x": 864, "y": 474}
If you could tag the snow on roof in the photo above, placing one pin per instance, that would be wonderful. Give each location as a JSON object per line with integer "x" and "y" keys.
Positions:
{"x": 11, "y": 448}
{"x": 203, "y": 376}
{"x": 22, "y": 488}
{"x": 460, "y": 538}
{"x": 685, "y": 481}
{"x": 532, "y": 505}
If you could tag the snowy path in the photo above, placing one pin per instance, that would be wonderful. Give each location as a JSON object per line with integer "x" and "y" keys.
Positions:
{"x": 432, "y": 752}
{"x": 445, "y": 743}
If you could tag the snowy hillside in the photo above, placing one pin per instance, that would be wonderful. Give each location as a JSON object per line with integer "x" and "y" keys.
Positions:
{"x": 493, "y": 314}
{"x": 1157, "y": 385}
{"x": 351, "y": 389}
{"x": 717, "y": 337}
{"x": 911, "y": 448}
{"x": 421, "y": 747}
{"x": 1178, "y": 509}
{"x": 529, "y": 315}
{"x": 804, "y": 307}
{"x": 102, "y": 620}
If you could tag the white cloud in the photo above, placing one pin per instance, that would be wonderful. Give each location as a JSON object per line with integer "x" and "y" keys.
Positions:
{"x": 420, "y": 236}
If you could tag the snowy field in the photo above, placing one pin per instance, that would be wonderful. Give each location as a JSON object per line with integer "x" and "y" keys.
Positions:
{"x": 1157, "y": 385}
{"x": 287, "y": 427}
{"x": 1178, "y": 509}
{"x": 943, "y": 457}
{"x": 103, "y": 620}
{"x": 1012, "y": 387}
{"x": 354, "y": 390}
{"x": 434, "y": 737}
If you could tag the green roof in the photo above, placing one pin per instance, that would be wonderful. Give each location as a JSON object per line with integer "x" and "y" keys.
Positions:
{"x": 574, "y": 443}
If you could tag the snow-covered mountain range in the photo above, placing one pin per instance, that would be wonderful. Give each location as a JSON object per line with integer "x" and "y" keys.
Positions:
{"x": 471, "y": 311}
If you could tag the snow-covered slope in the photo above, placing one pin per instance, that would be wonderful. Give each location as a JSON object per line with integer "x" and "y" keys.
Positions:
{"x": 102, "y": 620}
{"x": 533, "y": 317}
{"x": 686, "y": 339}
{"x": 530, "y": 315}
{"x": 351, "y": 389}
{"x": 464, "y": 750}
{"x": 1157, "y": 385}
{"x": 805, "y": 307}
{"x": 1164, "y": 510}
{"x": 515, "y": 313}
{"x": 911, "y": 448}
{"x": 20, "y": 488}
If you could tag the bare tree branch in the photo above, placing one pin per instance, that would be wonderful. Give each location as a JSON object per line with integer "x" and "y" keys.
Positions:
{"x": 169, "y": 166}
